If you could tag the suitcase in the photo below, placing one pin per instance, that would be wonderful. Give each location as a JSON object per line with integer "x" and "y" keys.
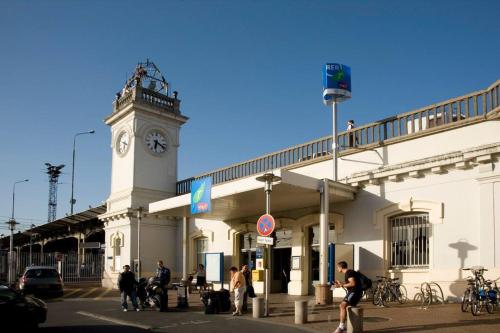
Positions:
{"x": 216, "y": 301}
{"x": 211, "y": 301}
{"x": 224, "y": 300}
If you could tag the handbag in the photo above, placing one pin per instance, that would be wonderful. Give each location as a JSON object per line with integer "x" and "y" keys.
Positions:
{"x": 251, "y": 292}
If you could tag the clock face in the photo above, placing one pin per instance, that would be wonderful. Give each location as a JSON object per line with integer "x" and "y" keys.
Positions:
{"x": 123, "y": 142}
{"x": 156, "y": 142}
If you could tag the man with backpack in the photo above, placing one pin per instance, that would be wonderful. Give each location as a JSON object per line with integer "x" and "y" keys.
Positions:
{"x": 354, "y": 292}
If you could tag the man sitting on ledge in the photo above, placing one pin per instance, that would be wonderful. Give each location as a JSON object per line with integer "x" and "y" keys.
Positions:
{"x": 354, "y": 292}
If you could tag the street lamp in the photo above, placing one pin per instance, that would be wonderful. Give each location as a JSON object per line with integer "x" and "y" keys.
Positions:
{"x": 73, "y": 201}
{"x": 31, "y": 244}
{"x": 268, "y": 179}
{"x": 12, "y": 225}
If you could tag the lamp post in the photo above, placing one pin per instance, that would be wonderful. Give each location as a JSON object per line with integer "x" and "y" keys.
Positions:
{"x": 12, "y": 225}
{"x": 336, "y": 89}
{"x": 31, "y": 244}
{"x": 73, "y": 201}
{"x": 268, "y": 179}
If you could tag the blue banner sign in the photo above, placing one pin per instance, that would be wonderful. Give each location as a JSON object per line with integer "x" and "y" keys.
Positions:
{"x": 201, "y": 193}
{"x": 336, "y": 83}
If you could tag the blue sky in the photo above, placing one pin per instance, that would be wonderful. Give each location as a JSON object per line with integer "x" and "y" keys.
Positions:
{"x": 248, "y": 74}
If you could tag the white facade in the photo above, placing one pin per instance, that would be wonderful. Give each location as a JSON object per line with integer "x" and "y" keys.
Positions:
{"x": 141, "y": 174}
{"x": 448, "y": 175}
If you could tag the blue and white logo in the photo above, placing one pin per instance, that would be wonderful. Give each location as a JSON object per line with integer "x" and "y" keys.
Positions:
{"x": 336, "y": 83}
{"x": 201, "y": 192}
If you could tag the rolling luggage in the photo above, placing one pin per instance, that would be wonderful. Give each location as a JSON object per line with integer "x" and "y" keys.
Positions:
{"x": 216, "y": 301}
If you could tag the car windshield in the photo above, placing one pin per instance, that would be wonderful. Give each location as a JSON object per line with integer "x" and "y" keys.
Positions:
{"x": 7, "y": 294}
{"x": 41, "y": 273}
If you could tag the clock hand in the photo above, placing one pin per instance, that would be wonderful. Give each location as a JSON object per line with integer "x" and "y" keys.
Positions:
{"x": 156, "y": 143}
{"x": 163, "y": 146}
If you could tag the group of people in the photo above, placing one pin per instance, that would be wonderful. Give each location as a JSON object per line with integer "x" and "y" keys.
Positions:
{"x": 127, "y": 284}
{"x": 240, "y": 281}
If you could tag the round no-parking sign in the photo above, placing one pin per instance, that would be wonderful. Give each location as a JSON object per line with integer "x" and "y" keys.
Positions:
{"x": 265, "y": 225}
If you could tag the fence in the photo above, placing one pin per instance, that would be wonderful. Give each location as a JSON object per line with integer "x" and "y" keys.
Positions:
{"x": 445, "y": 115}
{"x": 90, "y": 268}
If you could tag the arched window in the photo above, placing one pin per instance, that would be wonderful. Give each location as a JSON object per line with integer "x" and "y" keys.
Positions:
{"x": 409, "y": 240}
{"x": 117, "y": 246}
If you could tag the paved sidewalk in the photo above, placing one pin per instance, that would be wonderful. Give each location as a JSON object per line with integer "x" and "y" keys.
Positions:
{"x": 324, "y": 319}
{"x": 396, "y": 318}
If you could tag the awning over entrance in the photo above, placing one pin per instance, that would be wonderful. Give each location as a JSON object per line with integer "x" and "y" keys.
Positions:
{"x": 245, "y": 197}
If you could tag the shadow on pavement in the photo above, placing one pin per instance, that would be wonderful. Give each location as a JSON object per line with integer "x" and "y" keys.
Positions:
{"x": 92, "y": 329}
{"x": 416, "y": 328}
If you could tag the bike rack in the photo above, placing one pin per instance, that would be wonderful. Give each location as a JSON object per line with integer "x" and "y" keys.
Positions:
{"x": 429, "y": 295}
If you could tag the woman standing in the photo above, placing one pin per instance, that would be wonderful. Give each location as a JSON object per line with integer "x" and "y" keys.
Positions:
{"x": 201, "y": 279}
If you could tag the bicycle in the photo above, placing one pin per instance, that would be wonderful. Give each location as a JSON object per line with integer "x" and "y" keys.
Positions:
{"x": 492, "y": 295}
{"x": 388, "y": 290}
{"x": 476, "y": 295}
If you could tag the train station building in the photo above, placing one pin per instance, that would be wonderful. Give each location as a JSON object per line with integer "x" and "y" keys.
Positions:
{"x": 417, "y": 196}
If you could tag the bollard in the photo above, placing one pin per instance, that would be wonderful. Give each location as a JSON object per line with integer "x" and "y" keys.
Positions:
{"x": 354, "y": 319}
{"x": 300, "y": 312}
{"x": 257, "y": 307}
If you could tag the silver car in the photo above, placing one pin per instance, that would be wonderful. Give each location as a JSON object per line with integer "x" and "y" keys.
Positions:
{"x": 41, "y": 279}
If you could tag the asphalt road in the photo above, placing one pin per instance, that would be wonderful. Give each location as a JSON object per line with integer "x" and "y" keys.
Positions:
{"x": 92, "y": 316}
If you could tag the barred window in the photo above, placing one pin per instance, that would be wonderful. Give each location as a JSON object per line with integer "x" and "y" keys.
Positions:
{"x": 410, "y": 240}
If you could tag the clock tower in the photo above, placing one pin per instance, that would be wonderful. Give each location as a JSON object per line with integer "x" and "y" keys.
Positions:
{"x": 145, "y": 125}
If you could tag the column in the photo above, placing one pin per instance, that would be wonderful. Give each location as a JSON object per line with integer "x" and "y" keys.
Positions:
{"x": 323, "y": 294}
{"x": 298, "y": 283}
{"x": 487, "y": 225}
{"x": 185, "y": 243}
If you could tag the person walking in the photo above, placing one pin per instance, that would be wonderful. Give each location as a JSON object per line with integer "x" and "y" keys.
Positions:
{"x": 163, "y": 275}
{"x": 353, "y": 139}
{"x": 238, "y": 285}
{"x": 127, "y": 285}
{"x": 246, "y": 274}
{"x": 354, "y": 293}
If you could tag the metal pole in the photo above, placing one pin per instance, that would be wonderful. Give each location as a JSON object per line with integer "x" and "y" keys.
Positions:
{"x": 31, "y": 244}
{"x": 323, "y": 239}
{"x": 267, "y": 279}
{"x": 13, "y": 199}
{"x": 73, "y": 201}
{"x": 12, "y": 225}
{"x": 334, "y": 141}
{"x": 139, "y": 220}
{"x": 31, "y": 249}
{"x": 268, "y": 180}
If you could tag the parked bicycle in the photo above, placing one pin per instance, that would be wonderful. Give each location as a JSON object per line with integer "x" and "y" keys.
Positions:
{"x": 388, "y": 290}
{"x": 493, "y": 293}
{"x": 480, "y": 293}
